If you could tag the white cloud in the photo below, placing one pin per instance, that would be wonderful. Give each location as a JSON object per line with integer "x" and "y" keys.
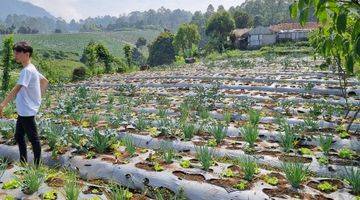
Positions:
{"x": 79, "y": 9}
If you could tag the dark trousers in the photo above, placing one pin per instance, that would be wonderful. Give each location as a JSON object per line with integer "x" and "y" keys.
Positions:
{"x": 27, "y": 125}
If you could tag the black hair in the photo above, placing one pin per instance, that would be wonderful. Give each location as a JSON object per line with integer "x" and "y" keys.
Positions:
{"x": 24, "y": 47}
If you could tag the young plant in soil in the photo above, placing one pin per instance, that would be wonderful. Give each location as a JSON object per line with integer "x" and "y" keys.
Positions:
{"x": 141, "y": 123}
{"x": 254, "y": 117}
{"x": 72, "y": 189}
{"x": 346, "y": 153}
{"x": 102, "y": 142}
{"x": 219, "y": 132}
{"x": 129, "y": 145}
{"x": 94, "y": 119}
{"x": 167, "y": 151}
{"x": 325, "y": 143}
{"x": 204, "y": 154}
{"x": 32, "y": 179}
{"x": 3, "y": 167}
{"x": 250, "y": 134}
{"x": 117, "y": 192}
{"x": 352, "y": 175}
{"x": 249, "y": 167}
{"x": 288, "y": 139}
{"x": 188, "y": 130}
{"x": 295, "y": 173}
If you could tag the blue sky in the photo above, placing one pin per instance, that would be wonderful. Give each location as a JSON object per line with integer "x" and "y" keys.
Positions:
{"x": 79, "y": 9}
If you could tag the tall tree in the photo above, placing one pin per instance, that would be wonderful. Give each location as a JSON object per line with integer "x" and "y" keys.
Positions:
{"x": 186, "y": 37}
{"x": 162, "y": 50}
{"x": 219, "y": 27}
{"x": 242, "y": 19}
{"x": 7, "y": 61}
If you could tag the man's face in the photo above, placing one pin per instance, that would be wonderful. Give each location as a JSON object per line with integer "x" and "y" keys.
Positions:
{"x": 20, "y": 56}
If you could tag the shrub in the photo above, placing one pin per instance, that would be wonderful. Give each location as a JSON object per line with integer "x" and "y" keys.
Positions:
{"x": 79, "y": 74}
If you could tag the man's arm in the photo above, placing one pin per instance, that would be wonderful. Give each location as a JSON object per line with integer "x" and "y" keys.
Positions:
{"x": 10, "y": 97}
{"x": 43, "y": 85}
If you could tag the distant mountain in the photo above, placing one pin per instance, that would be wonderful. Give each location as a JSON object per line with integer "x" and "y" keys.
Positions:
{"x": 18, "y": 7}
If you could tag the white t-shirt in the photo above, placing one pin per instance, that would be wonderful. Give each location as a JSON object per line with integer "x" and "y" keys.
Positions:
{"x": 28, "y": 99}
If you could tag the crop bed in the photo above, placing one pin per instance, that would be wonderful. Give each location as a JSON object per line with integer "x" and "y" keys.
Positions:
{"x": 203, "y": 131}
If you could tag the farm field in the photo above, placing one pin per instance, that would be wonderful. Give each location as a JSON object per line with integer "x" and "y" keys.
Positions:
{"x": 75, "y": 42}
{"x": 245, "y": 128}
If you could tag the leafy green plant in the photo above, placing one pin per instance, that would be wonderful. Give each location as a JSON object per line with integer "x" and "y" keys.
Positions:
{"x": 129, "y": 145}
{"x": 346, "y": 153}
{"x": 188, "y": 130}
{"x": 141, "y": 123}
{"x": 323, "y": 160}
{"x": 94, "y": 119}
{"x": 102, "y": 142}
{"x": 249, "y": 167}
{"x": 185, "y": 164}
{"x": 158, "y": 167}
{"x": 305, "y": 151}
{"x": 117, "y": 192}
{"x": 250, "y": 134}
{"x": 204, "y": 154}
{"x": 227, "y": 117}
{"x": 3, "y": 166}
{"x": 12, "y": 184}
{"x": 228, "y": 173}
{"x": 352, "y": 175}
{"x": 50, "y": 195}
{"x": 241, "y": 185}
{"x": 219, "y": 132}
{"x": 7, "y": 130}
{"x": 254, "y": 117}
{"x": 168, "y": 151}
{"x": 271, "y": 180}
{"x": 295, "y": 173}
{"x": 325, "y": 143}
{"x": 326, "y": 187}
{"x": 72, "y": 189}
{"x": 310, "y": 124}
{"x": 31, "y": 179}
{"x": 288, "y": 139}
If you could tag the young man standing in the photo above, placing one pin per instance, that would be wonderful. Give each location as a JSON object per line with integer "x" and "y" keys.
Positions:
{"x": 28, "y": 91}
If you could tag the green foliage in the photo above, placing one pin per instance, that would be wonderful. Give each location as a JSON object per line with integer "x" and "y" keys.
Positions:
{"x": 295, "y": 173}
{"x": 102, "y": 142}
{"x": 326, "y": 187}
{"x": 12, "y": 184}
{"x": 186, "y": 37}
{"x": 249, "y": 167}
{"x": 352, "y": 175}
{"x": 241, "y": 185}
{"x": 325, "y": 143}
{"x": 185, "y": 164}
{"x": 72, "y": 189}
{"x": 168, "y": 151}
{"x": 271, "y": 180}
{"x": 128, "y": 55}
{"x": 7, "y": 61}
{"x": 250, "y": 134}
{"x": 32, "y": 179}
{"x": 129, "y": 145}
{"x": 339, "y": 37}
{"x": 162, "y": 50}
{"x": 254, "y": 117}
{"x": 218, "y": 27}
{"x": 219, "y": 132}
{"x": 204, "y": 154}
{"x": 288, "y": 139}
{"x": 346, "y": 153}
{"x": 242, "y": 19}
{"x": 117, "y": 192}
{"x": 188, "y": 130}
